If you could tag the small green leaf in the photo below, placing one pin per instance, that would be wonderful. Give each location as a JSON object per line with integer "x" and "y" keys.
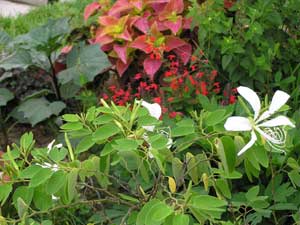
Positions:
{"x": 105, "y": 132}
{"x": 72, "y": 126}
{"x": 5, "y": 190}
{"x": 40, "y": 177}
{"x": 126, "y": 144}
{"x": 227, "y": 153}
{"x": 70, "y": 118}
{"x": 182, "y": 131}
{"x": 181, "y": 219}
{"x": 215, "y": 117}
{"x": 56, "y": 181}
{"x": 85, "y": 144}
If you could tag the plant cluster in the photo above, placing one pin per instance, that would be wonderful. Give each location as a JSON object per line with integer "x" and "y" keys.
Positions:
{"x": 254, "y": 43}
{"x": 122, "y": 165}
{"x": 143, "y": 31}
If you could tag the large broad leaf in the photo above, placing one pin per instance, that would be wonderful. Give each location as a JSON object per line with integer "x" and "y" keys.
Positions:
{"x": 84, "y": 62}
{"x": 5, "y": 96}
{"x": 45, "y": 38}
{"x": 37, "y": 110}
{"x": 19, "y": 59}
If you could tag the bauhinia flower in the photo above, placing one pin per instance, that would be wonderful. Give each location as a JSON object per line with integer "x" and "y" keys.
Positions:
{"x": 154, "y": 110}
{"x": 271, "y": 129}
{"x": 50, "y": 146}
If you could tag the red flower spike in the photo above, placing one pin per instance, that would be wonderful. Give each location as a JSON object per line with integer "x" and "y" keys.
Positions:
{"x": 203, "y": 87}
{"x": 90, "y": 10}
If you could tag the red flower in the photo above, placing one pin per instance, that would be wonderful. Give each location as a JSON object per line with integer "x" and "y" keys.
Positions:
{"x": 157, "y": 100}
{"x": 203, "y": 87}
{"x": 105, "y": 96}
{"x": 170, "y": 99}
{"x": 232, "y": 99}
{"x": 138, "y": 76}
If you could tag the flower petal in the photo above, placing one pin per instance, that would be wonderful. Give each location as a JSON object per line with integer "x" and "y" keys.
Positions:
{"x": 251, "y": 97}
{"x": 278, "y": 100}
{"x": 249, "y": 144}
{"x": 268, "y": 137}
{"x": 237, "y": 123}
{"x": 277, "y": 121}
{"x": 154, "y": 109}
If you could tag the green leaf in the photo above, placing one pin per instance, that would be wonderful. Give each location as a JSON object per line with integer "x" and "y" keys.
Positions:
{"x": 294, "y": 177}
{"x": 30, "y": 171}
{"x": 85, "y": 61}
{"x": 214, "y": 118}
{"x": 178, "y": 170}
{"x": 71, "y": 184}
{"x": 157, "y": 213}
{"x": 252, "y": 193}
{"x": 226, "y": 59}
{"x": 223, "y": 187}
{"x": 85, "y": 144}
{"x": 70, "y": 118}
{"x": 126, "y": 144}
{"x": 5, "y": 190}
{"x": 24, "y": 192}
{"x": 58, "y": 154}
{"x": 22, "y": 207}
{"x": 19, "y": 59}
{"x": 182, "y": 131}
{"x": 73, "y": 126}
{"x": 192, "y": 167}
{"x": 144, "y": 211}
{"x": 206, "y": 206}
{"x": 181, "y": 219}
{"x": 5, "y": 96}
{"x": 284, "y": 206}
{"x": 37, "y": 110}
{"x": 56, "y": 181}
{"x": 227, "y": 153}
{"x": 42, "y": 200}
{"x": 40, "y": 177}
{"x": 106, "y": 131}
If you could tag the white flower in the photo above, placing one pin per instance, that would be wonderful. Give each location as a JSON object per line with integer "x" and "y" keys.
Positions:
{"x": 50, "y": 146}
{"x": 154, "y": 110}
{"x": 53, "y": 167}
{"x": 269, "y": 129}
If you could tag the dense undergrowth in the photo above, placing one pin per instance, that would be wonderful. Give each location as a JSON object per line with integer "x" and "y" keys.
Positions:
{"x": 166, "y": 112}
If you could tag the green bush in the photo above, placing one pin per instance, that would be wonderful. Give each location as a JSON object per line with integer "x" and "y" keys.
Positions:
{"x": 253, "y": 43}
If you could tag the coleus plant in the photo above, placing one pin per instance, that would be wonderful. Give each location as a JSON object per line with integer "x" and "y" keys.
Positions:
{"x": 152, "y": 27}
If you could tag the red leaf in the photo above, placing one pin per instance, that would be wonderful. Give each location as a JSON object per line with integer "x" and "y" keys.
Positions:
{"x": 121, "y": 52}
{"x": 174, "y": 42}
{"x": 151, "y": 66}
{"x": 141, "y": 44}
{"x": 142, "y": 23}
{"x": 184, "y": 52}
{"x": 91, "y": 9}
{"x": 122, "y": 67}
{"x": 120, "y": 7}
{"x": 174, "y": 26}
